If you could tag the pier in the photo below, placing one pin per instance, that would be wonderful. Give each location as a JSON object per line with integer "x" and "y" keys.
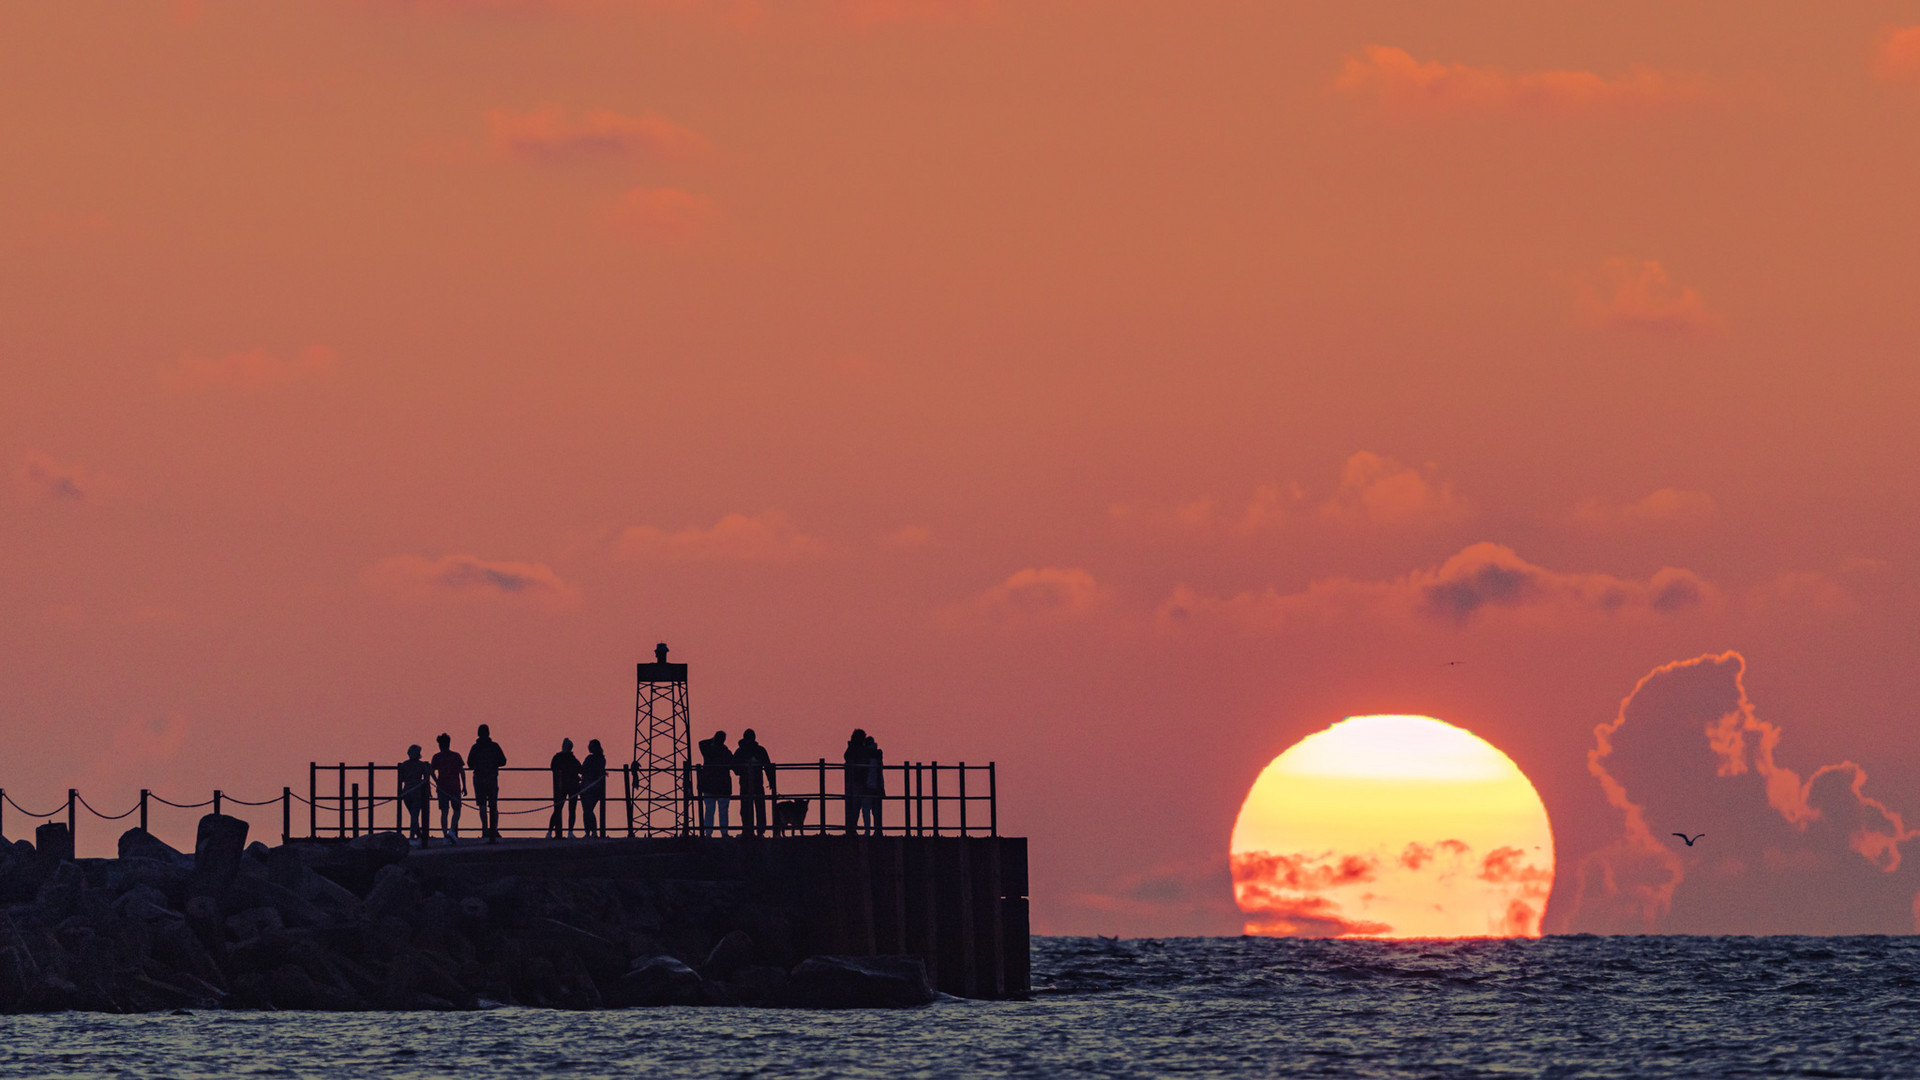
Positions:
{"x": 346, "y": 911}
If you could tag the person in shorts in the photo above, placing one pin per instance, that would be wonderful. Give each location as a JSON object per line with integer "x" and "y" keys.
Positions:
{"x": 450, "y": 784}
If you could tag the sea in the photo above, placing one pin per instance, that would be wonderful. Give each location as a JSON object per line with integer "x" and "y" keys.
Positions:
{"x": 1557, "y": 1007}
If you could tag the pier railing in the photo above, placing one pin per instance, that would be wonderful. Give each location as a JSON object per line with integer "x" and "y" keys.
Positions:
{"x": 917, "y": 799}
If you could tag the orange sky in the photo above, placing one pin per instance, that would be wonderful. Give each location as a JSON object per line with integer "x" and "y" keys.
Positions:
{"x": 1120, "y": 392}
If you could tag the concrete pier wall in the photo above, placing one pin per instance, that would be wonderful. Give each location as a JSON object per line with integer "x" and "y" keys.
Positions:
{"x": 960, "y": 904}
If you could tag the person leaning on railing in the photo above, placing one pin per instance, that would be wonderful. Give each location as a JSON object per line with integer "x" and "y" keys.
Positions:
{"x": 486, "y": 759}
{"x": 716, "y": 783}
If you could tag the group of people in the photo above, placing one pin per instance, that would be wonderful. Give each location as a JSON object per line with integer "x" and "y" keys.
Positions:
{"x": 577, "y": 786}
{"x": 758, "y": 782}
{"x": 580, "y": 785}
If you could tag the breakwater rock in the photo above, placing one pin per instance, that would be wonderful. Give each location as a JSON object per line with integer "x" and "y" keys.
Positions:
{"x": 372, "y": 923}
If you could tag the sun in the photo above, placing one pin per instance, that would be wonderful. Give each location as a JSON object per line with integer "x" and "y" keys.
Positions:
{"x": 1392, "y": 826}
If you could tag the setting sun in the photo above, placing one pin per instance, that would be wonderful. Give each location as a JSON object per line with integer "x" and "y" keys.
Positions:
{"x": 1392, "y": 826}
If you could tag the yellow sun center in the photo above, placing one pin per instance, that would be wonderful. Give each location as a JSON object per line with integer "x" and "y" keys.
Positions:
{"x": 1392, "y": 826}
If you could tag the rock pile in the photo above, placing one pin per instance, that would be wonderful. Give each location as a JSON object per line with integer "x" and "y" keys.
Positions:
{"x": 358, "y": 925}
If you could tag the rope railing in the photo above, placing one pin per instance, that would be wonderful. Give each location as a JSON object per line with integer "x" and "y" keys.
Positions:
{"x": 28, "y": 813}
{"x": 182, "y": 805}
{"x": 131, "y": 810}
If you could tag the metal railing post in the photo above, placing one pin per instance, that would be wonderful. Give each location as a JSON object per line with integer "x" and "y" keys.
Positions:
{"x": 963, "y": 798}
{"x": 993, "y": 800}
{"x": 341, "y": 813}
{"x": 823, "y": 796}
{"x": 936, "y": 798}
{"x": 919, "y": 800}
{"x": 626, "y": 775}
{"x": 371, "y": 803}
{"x": 356, "y": 809}
{"x": 143, "y": 809}
{"x": 313, "y": 800}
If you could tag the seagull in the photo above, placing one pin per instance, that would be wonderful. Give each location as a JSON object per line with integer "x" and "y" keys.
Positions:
{"x": 1688, "y": 839}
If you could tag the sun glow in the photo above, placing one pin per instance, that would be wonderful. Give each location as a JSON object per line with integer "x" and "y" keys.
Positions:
{"x": 1392, "y": 826}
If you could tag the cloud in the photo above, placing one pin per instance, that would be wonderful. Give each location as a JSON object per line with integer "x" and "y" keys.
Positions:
{"x": 1398, "y": 83}
{"x": 1665, "y": 505}
{"x": 1896, "y": 56}
{"x": 551, "y": 135}
{"x": 46, "y": 479}
{"x": 1264, "y": 511}
{"x": 1376, "y": 490}
{"x": 1687, "y": 752}
{"x": 1634, "y": 294}
{"x": 250, "y": 370}
{"x": 470, "y": 577}
{"x": 1483, "y": 581}
{"x": 664, "y": 217}
{"x": 767, "y": 537}
{"x": 1182, "y": 897}
{"x": 1278, "y": 893}
{"x": 1044, "y": 595}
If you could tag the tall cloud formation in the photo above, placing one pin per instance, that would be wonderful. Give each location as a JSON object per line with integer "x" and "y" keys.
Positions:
{"x": 1484, "y": 580}
{"x": 1399, "y": 83}
{"x": 1687, "y": 753}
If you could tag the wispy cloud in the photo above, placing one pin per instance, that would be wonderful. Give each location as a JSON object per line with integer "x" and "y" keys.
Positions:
{"x": 249, "y": 370}
{"x": 1398, "y": 83}
{"x": 1048, "y": 594}
{"x": 467, "y": 576}
{"x": 1485, "y": 580}
{"x": 44, "y": 478}
{"x": 766, "y": 537}
{"x": 551, "y": 134}
{"x": 1672, "y": 505}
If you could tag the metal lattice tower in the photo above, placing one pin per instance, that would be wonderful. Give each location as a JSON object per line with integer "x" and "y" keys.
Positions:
{"x": 662, "y": 748}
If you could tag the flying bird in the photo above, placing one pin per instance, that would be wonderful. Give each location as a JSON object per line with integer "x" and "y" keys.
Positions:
{"x": 1688, "y": 839}
{"x": 1453, "y": 663}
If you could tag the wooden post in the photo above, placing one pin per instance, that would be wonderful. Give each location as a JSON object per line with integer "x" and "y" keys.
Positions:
{"x": 72, "y": 832}
{"x": 286, "y": 814}
{"x": 216, "y": 800}
{"x": 143, "y": 809}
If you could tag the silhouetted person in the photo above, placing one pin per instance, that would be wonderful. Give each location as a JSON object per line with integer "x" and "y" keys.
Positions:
{"x": 486, "y": 759}
{"x": 415, "y": 776}
{"x": 566, "y": 788}
{"x": 593, "y": 789}
{"x": 449, "y": 783}
{"x": 716, "y": 783}
{"x": 660, "y": 653}
{"x": 755, "y": 769}
{"x": 876, "y": 787}
{"x": 854, "y": 778}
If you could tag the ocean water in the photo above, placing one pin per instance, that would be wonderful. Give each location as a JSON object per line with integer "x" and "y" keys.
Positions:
{"x": 1216, "y": 1007}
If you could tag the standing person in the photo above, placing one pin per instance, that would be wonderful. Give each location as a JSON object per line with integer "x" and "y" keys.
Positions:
{"x": 486, "y": 759}
{"x": 757, "y": 780}
{"x": 854, "y": 778}
{"x": 449, "y": 783}
{"x": 876, "y": 787}
{"x": 566, "y": 788}
{"x": 716, "y": 782}
{"x": 414, "y": 775}
{"x": 593, "y": 790}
